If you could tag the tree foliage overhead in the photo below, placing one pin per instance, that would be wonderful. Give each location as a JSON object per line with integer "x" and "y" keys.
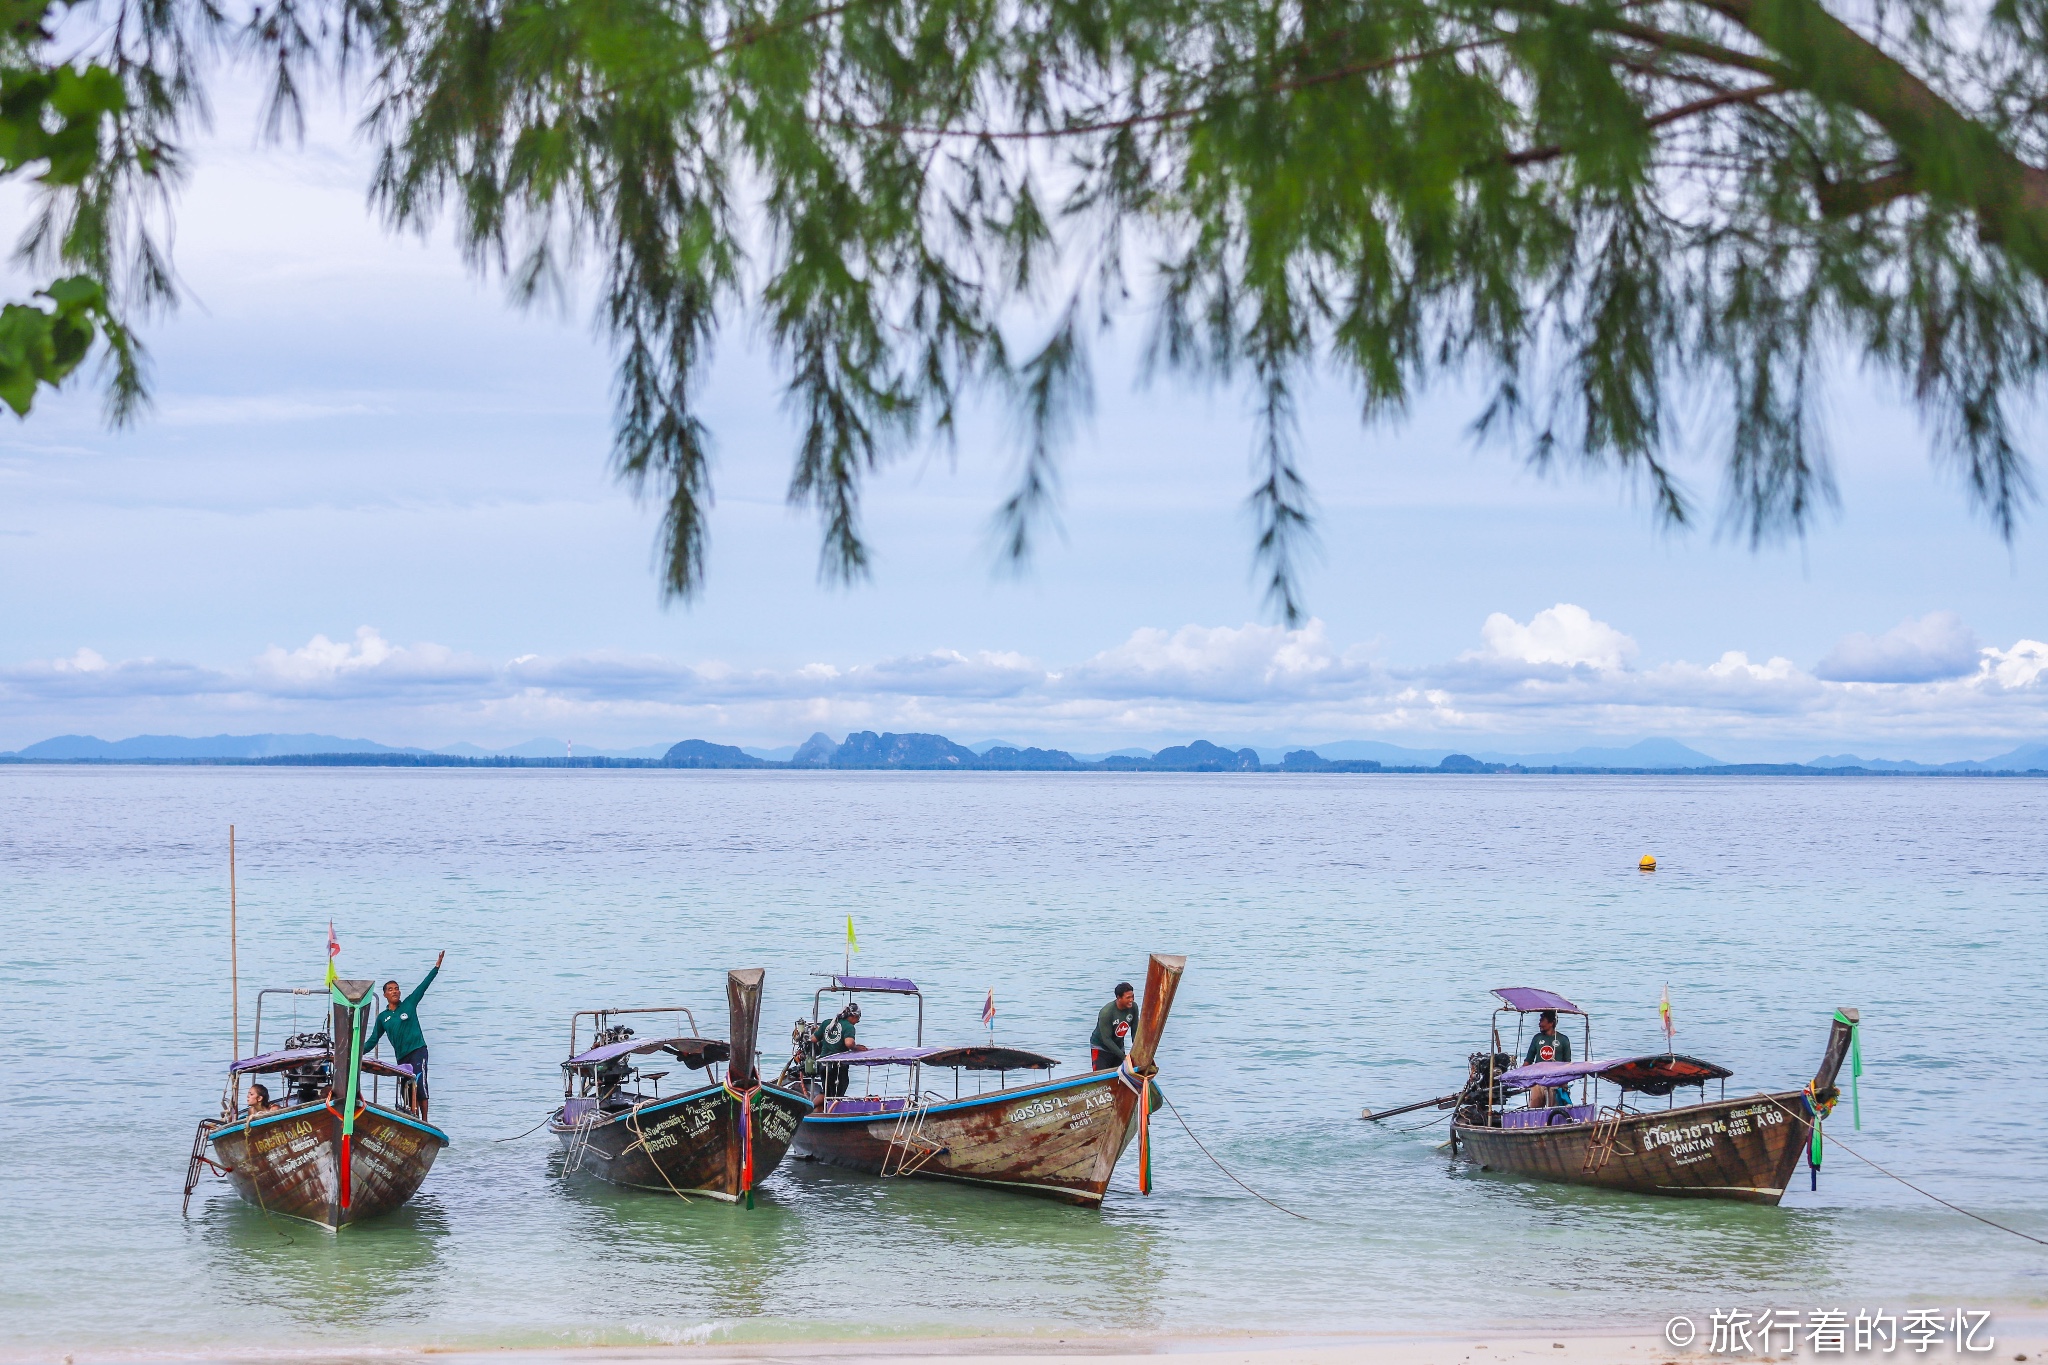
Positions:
{"x": 1642, "y": 225}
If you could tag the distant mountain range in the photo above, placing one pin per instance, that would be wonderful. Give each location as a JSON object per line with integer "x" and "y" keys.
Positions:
{"x": 865, "y": 749}
{"x": 159, "y": 748}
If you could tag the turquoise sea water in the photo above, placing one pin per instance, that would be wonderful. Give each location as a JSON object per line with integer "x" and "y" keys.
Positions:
{"x": 1341, "y": 936}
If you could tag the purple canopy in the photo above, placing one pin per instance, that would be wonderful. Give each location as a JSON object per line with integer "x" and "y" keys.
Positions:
{"x": 895, "y": 985}
{"x": 278, "y": 1061}
{"x": 979, "y": 1057}
{"x": 695, "y": 1052}
{"x": 1529, "y": 1000}
{"x": 1554, "y": 1073}
{"x": 301, "y": 1056}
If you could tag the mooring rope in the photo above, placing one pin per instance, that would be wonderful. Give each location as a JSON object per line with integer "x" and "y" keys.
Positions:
{"x": 1988, "y": 1222}
{"x": 529, "y": 1132}
{"x": 1225, "y": 1169}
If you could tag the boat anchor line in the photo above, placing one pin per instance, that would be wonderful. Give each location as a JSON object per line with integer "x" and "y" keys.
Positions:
{"x": 2037, "y": 1241}
{"x": 1225, "y": 1169}
{"x": 640, "y": 1141}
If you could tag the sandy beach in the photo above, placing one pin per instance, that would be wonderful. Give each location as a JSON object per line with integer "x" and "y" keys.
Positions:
{"x": 2014, "y": 1340}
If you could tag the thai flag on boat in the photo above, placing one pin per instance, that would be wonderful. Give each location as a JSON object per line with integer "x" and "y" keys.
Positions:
{"x": 988, "y": 1010}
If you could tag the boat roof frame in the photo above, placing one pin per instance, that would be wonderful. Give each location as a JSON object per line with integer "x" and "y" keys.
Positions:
{"x": 599, "y": 1016}
{"x": 837, "y": 986}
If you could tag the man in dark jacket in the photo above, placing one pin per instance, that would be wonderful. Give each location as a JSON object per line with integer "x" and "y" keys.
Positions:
{"x": 1113, "y": 1025}
{"x": 400, "y": 1022}
{"x": 835, "y": 1037}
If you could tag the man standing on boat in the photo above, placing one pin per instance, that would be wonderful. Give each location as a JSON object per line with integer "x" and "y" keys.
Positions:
{"x": 1113, "y": 1025}
{"x": 836, "y": 1037}
{"x": 400, "y": 1022}
{"x": 1547, "y": 1046}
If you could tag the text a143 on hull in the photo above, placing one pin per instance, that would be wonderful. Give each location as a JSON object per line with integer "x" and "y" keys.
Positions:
{"x": 330, "y": 1151}
{"x": 1059, "y": 1138}
{"x": 720, "y": 1138}
{"x": 1745, "y": 1148}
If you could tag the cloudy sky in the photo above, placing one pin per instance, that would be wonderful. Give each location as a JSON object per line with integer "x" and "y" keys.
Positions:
{"x": 373, "y": 500}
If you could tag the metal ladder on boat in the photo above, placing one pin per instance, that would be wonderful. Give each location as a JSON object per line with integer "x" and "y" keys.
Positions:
{"x": 195, "y": 1169}
{"x": 909, "y": 1150}
{"x": 579, "y": 1140}
{"x": 1600, "y": 1142}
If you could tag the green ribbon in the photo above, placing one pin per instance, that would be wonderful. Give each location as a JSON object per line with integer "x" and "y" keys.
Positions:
{"x": 355, "y": 1058}
{"x": 1855, "y": 1071}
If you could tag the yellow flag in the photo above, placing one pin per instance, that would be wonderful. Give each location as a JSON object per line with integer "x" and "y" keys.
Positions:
{"x": 851, "y": 945}
{"x": 333, "y": 947}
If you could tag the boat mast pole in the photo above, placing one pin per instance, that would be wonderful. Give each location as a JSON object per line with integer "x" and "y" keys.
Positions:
{"x": 234, "y": 963}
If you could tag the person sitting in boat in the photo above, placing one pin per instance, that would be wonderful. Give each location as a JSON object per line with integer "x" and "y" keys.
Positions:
{"x": 1113, "y": 1025}
{"x": 1548, "y": 1046}
{"x": 836, "y": 1037}
{"x": 400, "y": 1022}
{"x": 259, "y": 1100}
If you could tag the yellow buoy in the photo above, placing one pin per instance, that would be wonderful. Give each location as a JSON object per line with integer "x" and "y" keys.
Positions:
{"x": 1648, "y": 864}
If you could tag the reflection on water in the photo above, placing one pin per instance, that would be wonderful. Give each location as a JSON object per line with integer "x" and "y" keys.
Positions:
{"x": 364, "y": 1273}
{"x": 1341, "y": 939}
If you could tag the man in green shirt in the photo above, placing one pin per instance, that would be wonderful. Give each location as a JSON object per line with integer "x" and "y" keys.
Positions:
{"x": 1113, "y": 1025}
{"x": 400, "y": 1022}
{"x": 836, "y": 1037}
{"x": 1548, "y": 1046}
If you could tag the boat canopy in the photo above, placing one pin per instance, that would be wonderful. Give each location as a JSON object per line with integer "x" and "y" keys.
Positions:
{"x": 976, "y": 1058}
{"x": 1657, "y": 1074}
{"x": 893, "y": 985}
{"x": 302, "y": 1056}
{"x": 691, "y": 1052}
{"x": 1529, "y": 1000}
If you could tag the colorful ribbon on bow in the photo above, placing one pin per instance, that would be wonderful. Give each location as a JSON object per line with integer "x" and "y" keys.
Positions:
{"x": 746, "y": 1099}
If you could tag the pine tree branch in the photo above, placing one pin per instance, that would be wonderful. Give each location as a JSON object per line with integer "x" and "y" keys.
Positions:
{"x": 1954, "y": 159}
{"x": 1536, "y": 155}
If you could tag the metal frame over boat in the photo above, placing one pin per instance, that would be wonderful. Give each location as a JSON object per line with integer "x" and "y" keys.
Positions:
{"x": 327, "y": 1154}
{"x": 719, "y": 1139}
{"x": 1743, "y": 1149}
{"x": 1057, "y": 1138}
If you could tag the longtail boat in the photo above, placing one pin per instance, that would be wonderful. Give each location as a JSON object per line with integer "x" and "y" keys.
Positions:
{"x": 1745, "y": 1148}
{"x": 328, "y": 1153}
{"x": 720, "y": 1138}
{"x": 1056, "y": 1138}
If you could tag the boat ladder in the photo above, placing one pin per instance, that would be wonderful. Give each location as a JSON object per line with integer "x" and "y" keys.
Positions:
{"x": 195, "y": 1169}
{"x": 1600, "y": 1142}
{"x": 909, "y": 1150}
{"x": 579, "y": 1140}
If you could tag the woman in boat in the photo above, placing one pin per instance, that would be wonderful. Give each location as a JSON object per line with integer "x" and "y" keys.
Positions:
{"x": 259, "y": 1100}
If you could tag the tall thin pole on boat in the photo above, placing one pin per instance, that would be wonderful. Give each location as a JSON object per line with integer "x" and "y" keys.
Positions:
{"x": 234, "y": 961}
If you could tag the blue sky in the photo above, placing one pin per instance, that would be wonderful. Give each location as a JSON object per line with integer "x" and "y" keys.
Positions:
{"x": 374, "y": 500}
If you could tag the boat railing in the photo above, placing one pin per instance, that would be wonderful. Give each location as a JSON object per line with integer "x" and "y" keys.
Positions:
{"x": 599, "y": 1016}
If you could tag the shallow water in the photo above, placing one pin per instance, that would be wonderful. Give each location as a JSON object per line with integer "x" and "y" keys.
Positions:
{"x": 1341, "y": 933}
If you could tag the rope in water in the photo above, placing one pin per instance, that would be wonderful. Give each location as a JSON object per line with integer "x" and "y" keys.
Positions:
{"x": 1988, "y": 1222}
{"x": 1225, "y": 1169}
{"x": 528, "y": 1133}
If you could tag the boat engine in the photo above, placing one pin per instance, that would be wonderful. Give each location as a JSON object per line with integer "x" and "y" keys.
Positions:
{"x": 307, "y": 1082}
{"x": 803, "y": 1054}
{"x": 615, "y": 1073}
{"x": 1476, "y": 1101}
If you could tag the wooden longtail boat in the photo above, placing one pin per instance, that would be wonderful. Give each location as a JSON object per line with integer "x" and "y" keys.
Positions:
{"x": 720, "y": 1139}
{"x": 1059, "y": 1139}
{"x": 1744, "y": 1148}
{"x": 328, "y": 1153}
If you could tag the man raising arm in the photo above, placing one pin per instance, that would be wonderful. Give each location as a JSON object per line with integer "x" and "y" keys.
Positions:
{"x": 400, "y": 1022}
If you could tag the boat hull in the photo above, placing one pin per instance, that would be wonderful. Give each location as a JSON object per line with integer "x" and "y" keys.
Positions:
{"x": 289, "y": 1162}
{"x": 690, "y": 1144}
{"x": 1742, "y": 1149}
{"x": 1057, "y": 1139}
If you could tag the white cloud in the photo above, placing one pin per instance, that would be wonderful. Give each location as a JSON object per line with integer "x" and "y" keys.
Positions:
{"x": 1562, "y": 673}
{"x": 1936, "y": 646}
{"x": 1565, "y": 635}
